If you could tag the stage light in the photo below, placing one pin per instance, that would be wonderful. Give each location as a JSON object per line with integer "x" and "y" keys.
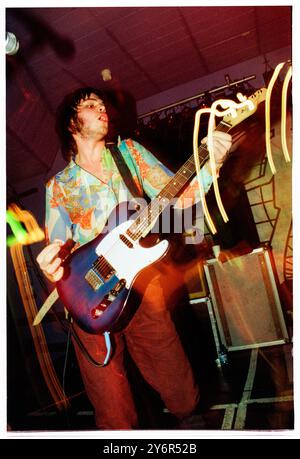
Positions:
{"x": 106, "y": 74}
{"x": 11, "y": 44}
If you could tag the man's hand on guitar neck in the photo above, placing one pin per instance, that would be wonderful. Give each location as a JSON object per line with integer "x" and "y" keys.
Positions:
{"x": 222, "y": 142}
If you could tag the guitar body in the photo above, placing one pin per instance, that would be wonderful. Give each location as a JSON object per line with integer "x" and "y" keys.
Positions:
{"x": 99, "y": 275}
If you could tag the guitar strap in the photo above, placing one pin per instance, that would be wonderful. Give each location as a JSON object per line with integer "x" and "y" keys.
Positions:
{"x": 124, "y": 171}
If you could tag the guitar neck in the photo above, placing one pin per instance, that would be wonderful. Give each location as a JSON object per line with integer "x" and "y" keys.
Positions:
{"x": 187, "y": 171}
{"x": 143, "y": 224}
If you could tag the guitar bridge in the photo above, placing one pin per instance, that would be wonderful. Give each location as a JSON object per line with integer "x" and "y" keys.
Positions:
{"x": 100, "y": 272}
{"x": 93, "y": 279}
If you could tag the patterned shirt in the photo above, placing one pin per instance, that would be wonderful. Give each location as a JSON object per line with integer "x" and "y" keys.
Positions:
{"x": 78, "y": 204}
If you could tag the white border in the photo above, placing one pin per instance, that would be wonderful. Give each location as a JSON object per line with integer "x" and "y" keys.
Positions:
{"x": 152, "y": 434}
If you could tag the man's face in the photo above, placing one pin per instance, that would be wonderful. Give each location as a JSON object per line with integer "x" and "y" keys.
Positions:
{"x": 92, "y": 118}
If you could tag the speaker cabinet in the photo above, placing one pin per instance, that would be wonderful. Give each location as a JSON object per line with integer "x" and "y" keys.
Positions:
{"x": 194, "y": 278}
{"x": 245, "y": 301}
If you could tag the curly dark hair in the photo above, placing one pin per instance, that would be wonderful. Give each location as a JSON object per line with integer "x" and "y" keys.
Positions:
{"x": 67, "y": 112}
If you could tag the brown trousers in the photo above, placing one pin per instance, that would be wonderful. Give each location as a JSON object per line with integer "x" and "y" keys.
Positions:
{"x": 155, "y": 347}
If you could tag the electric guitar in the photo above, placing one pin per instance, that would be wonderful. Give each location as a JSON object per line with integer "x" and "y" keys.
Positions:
{"x": 96, "y": 287}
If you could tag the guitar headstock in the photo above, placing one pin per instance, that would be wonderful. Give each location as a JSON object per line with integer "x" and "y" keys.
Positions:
{"x": 246, "y": 110}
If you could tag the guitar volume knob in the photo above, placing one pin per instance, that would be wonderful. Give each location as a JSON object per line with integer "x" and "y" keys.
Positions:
{"x": 96, "y": 312}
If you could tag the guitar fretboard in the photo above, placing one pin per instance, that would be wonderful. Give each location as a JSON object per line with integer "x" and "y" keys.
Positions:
{"x": 144, "y": 222}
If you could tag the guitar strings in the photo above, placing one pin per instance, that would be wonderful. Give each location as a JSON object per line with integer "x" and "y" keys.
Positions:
{"x": 135, "y": 231}
{"x": 144, "y": 216}
{"x": 157, "y": 206}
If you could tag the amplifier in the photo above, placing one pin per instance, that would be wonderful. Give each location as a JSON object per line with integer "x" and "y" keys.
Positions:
{"x": 245, "y": 301}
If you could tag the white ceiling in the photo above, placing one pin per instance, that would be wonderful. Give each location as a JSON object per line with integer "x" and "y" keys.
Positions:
{"x": 148, "y": 49}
